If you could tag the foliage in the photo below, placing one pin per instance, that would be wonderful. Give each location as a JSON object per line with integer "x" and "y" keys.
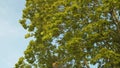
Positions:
{"x": 71, "y": 33}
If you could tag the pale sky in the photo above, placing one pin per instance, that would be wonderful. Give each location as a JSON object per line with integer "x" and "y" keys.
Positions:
{"x": 12, "y": 41}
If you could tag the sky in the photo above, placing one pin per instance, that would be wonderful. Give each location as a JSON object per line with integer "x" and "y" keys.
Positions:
{"x": 12, "y": 41}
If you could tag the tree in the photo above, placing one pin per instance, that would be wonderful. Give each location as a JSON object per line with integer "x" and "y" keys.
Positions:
{"x": 71, "y": 33}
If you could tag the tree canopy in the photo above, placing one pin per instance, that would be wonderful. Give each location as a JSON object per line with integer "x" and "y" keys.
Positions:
{"x": 71, "y": 34}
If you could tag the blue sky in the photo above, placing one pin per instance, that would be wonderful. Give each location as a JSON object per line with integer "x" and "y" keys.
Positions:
{"x": 12, "y": 42}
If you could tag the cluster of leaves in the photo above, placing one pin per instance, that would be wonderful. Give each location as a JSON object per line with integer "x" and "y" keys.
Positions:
{"x": 73, "y": 33}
